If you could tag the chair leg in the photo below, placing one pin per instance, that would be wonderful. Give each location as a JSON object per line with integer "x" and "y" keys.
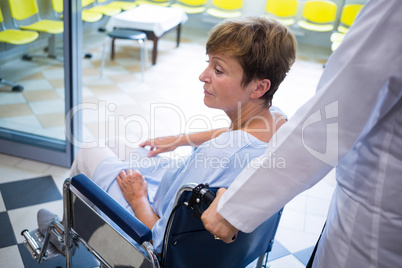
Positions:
{"x": 51, "y": 51}
{"x": 103, "y": 58}
{"x": 14, "y": 87}
{"x": 52, "y": 46}
{"x": 144, "y": 56}
{"x": 112, "y": 51}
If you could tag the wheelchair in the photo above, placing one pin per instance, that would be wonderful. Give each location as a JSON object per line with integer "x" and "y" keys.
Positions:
{"x": 93, "y": 219}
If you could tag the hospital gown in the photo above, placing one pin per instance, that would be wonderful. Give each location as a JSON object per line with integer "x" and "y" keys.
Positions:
{"x": 216, "y": 162}
{"x": 353, "y": 122}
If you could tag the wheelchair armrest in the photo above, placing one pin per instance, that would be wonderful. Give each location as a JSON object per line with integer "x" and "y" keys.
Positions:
{"x": 119, "y": 215}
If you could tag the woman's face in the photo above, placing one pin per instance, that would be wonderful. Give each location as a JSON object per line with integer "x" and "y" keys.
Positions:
{"x": 222, "y": 83}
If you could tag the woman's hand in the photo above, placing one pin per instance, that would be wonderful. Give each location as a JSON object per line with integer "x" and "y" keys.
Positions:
{"x": 132, "y": 185}
{"x": 279, "y": 119}
{"x": 216, "y": 224}
{"x": 135, "y": 191}
{"x": 163, "y": 144}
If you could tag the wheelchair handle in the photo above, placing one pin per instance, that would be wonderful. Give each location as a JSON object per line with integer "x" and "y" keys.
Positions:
{"x": 207, "y": 196}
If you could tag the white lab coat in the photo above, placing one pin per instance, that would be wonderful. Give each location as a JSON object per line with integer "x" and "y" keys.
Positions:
{"x": 353, "y": 122}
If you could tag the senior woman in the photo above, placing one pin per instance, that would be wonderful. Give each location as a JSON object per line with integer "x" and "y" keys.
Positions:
{"x": 248, "y": 59}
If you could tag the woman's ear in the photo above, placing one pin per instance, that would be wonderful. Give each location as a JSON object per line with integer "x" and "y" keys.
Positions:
{"x": 262, "y": 87}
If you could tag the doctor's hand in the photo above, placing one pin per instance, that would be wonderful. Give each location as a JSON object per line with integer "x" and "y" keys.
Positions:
{"x": 132, "y": 185}
{"x": 216, "y": 224}
{"x": 162, "y": 144}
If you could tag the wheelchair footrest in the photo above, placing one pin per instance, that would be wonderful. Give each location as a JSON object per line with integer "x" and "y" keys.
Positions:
{"x": 34, "y": 243}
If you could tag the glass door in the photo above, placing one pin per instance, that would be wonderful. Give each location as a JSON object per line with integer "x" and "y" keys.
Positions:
{"x": 40, "y": 84}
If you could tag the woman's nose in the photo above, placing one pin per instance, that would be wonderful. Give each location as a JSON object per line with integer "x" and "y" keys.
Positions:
{"x": 204, "y": 76}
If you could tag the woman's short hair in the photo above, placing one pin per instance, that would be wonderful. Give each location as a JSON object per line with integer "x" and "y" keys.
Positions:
{"x": 264, "y": 48}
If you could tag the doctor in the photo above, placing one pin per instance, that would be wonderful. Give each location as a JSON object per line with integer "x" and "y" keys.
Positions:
{"x": 354, "y": 122}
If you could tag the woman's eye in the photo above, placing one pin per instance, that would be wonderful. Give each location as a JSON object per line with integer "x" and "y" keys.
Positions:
{"x": 218, "y": 71}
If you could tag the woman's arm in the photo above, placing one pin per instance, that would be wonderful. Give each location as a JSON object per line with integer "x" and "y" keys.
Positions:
{"x": 169, "y": 143}
{"x": 135, "y": 191}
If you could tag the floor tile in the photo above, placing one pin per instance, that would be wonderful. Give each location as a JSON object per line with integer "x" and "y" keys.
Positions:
{"x": 2, "y": 206}
{"x": 294, "y": 240}
{"x": 54, "y": 73}
{"x": 11, "y": 110}
{"x": 47, "y": 106}
{"x": 11, "y": 98}
{"x": 37, "y": 84}
{"x": 103, "y": 89}
{"x": 7, "y": 237}
{"x": 11, "y": 174}
{"x": 57, "y": 83}
{"x": 29, "y": 192}
{"x": 314, "y": 224}
{"x": 26, "y": 122}
{"x": 35, "y": 76}
{"x": 32, "y": 165}
{"x": 292, "y": 219}
{"x": 304, "y": 255}
{"x": 40, "y": 95}
{"x": 51, "y": 120}
{"x": 123, "y": 78}
{"x": 287, "y": 261}
{"x": 10, "y": 257}
{"x": 317, "y": 206}
{"x": 278, "y": 251}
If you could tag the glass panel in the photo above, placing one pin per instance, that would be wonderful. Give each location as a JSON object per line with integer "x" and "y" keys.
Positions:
{"x": 33, "y": 101}
{"x": 37, "y": 86}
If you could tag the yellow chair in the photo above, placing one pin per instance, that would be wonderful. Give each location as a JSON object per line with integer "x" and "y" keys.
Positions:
{"x": 283, "y": 10}
{"x": 319, "y": 16}
{"x": 163, "y": 3}
{"x": 15, "y": 37}
{"x": 191, "y": 6}
{"x": 349, "y": 13}
{"x": 225, "y": 8}
{"x": 24, "y": 9}
{"x": 92, "y": 6}
{"x": 123, "y": 5}
{"x": 87, "y": 16}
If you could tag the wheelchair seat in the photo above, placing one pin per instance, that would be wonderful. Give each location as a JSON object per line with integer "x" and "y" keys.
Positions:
{"x": 95, "y": 220}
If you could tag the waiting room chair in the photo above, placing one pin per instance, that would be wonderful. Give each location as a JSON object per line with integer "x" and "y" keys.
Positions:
{"x": 127, "y": 34}
{"x": 123, "y": 5}
{"x": 14, "y": 37}
{"x": 92, "y": 5}
{"x": 225, "y": 9}
{"x": 284, "y": 11}
{"x": 95, "y": 220}
{"x": 348, "y": 16}
{"x": 191, "y": 6}
{"x": 87, "y": 15}
{"x": 318, "y": 16}
{"x": 21, "y": 10}
{"x": 162, "y": 3}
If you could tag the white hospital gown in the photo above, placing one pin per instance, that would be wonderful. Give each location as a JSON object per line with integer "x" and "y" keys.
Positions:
{"x": 355, "y": 123}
